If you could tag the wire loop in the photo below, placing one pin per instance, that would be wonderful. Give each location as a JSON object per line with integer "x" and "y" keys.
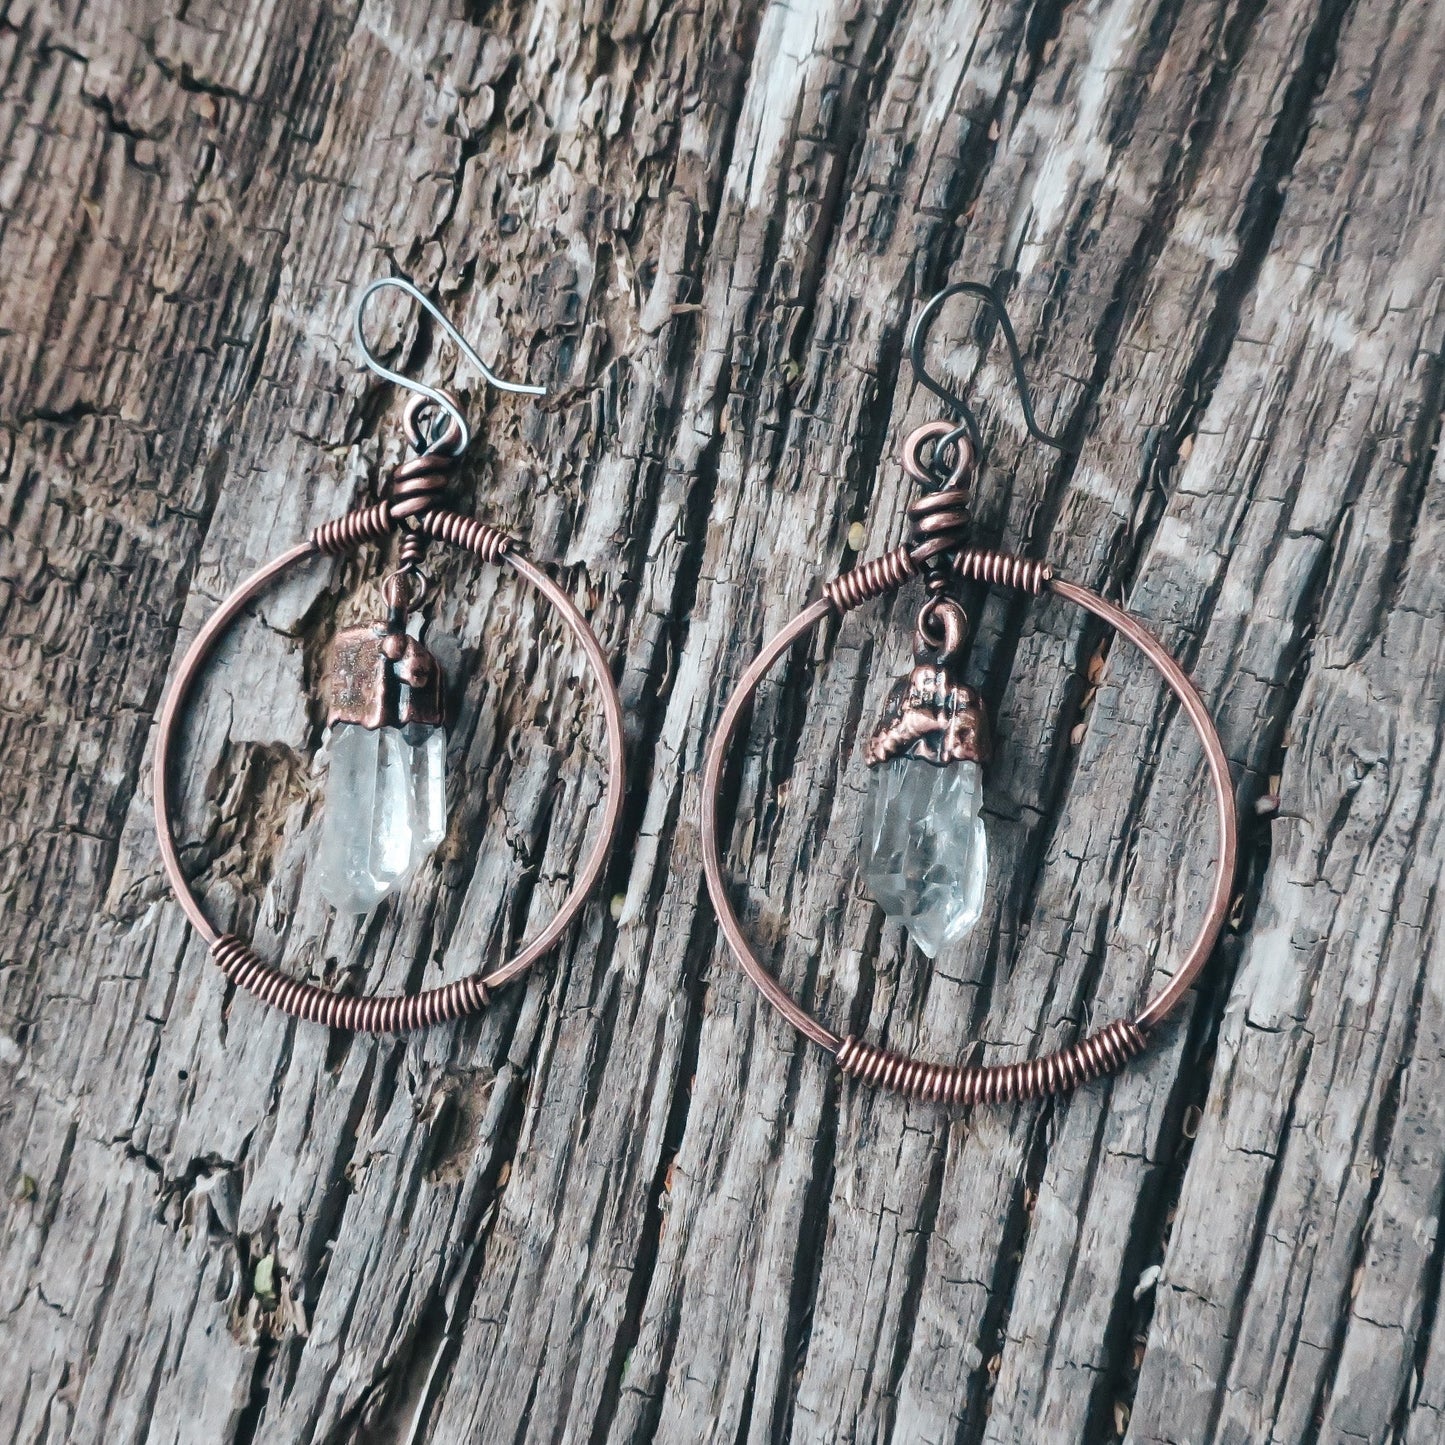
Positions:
{"x": 397, "y": 1012}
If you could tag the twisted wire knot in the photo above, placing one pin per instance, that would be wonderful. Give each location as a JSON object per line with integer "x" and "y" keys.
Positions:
{"x": 417, "y": 486}
{"x": 414, "y": 490}
{"x": 938, "y": 527}
{"x": 938, "y": 520}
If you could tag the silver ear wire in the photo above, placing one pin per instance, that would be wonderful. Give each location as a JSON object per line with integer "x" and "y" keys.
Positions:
{"x": 432, "y": 394}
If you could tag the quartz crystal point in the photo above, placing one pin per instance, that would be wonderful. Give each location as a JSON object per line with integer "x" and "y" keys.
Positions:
{"x": 385, "y": 810}
{"x": 386, "y": 793}
{"x": 925, "y": 852}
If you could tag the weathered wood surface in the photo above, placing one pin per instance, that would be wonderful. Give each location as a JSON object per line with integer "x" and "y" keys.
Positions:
{"x": 629, "y": 1204}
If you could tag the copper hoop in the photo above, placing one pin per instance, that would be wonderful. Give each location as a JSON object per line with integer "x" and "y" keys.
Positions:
{"x": 398, "y": 1012}
{"x": 1102, "y": 1052}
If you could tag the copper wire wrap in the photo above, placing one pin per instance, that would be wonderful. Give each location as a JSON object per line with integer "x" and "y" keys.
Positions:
{"x": 416, "y": 486}
{"x": 938, "y": 523}
{"x": 485, "y": 542}
{"x": 1092, "y": 1057}
{"x": 344, "y": 533}
{"x": 868, "y": 580}
{"x": 938, "y": 532}
{"x": 938, "y": 520}
{"x": 1001, "y": 569}
{"x": 398, "y": 1012}
{"x": 884, "y": 574}
{"x": 1098, "y": 1054}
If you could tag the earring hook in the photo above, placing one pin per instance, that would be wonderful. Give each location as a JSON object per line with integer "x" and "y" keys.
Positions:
{"x": 918, "y": 334}
{"x": 431, "y": 393}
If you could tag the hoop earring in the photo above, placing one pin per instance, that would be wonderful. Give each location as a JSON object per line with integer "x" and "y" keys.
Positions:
{"x": 925, "y": 760}
{"x": 385, "y": 711}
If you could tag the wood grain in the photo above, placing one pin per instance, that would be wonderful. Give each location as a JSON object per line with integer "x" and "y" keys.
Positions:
{"x": 628, "y": 1204}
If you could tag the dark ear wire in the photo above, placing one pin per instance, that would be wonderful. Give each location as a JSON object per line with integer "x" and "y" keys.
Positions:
{"x": 918, "y": 335}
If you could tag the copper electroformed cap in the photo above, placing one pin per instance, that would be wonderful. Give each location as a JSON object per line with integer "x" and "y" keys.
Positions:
{"x": 931, "y": 714}
{"x": 380, "y": 677}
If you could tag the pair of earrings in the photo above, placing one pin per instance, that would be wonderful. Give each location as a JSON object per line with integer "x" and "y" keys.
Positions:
{"x": 925, "y": 847}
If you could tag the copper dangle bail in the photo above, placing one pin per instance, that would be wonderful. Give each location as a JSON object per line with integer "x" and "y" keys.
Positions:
{"x": 941, "y": 629}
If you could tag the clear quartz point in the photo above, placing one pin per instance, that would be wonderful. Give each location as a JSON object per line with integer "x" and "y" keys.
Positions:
{"x": 925, "y": 852}
{"x": 386, "y": 810}
{"x": 428, "y": 791}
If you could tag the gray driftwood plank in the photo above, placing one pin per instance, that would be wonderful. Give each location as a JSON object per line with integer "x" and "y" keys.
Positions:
{"x": 629, "y": 1204}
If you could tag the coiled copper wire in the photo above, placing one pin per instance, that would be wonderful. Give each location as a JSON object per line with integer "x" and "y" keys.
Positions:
{"x": 1001, "y": 569}
{"x": 1101, "y": 1053}
{"x": 938, "y": 522}
{"x": 342, "y": 534}
{"x": 486, "y": 542}
{"x": 938, "y": 530}
{"x": 884, "y": 574}
{"x": 862, "y": 583}
{"x": 416, "y": 485}
{"x": 377, "y": 1014}
{"x": 411, "y": 550}
{"x": 416, "y": 488}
